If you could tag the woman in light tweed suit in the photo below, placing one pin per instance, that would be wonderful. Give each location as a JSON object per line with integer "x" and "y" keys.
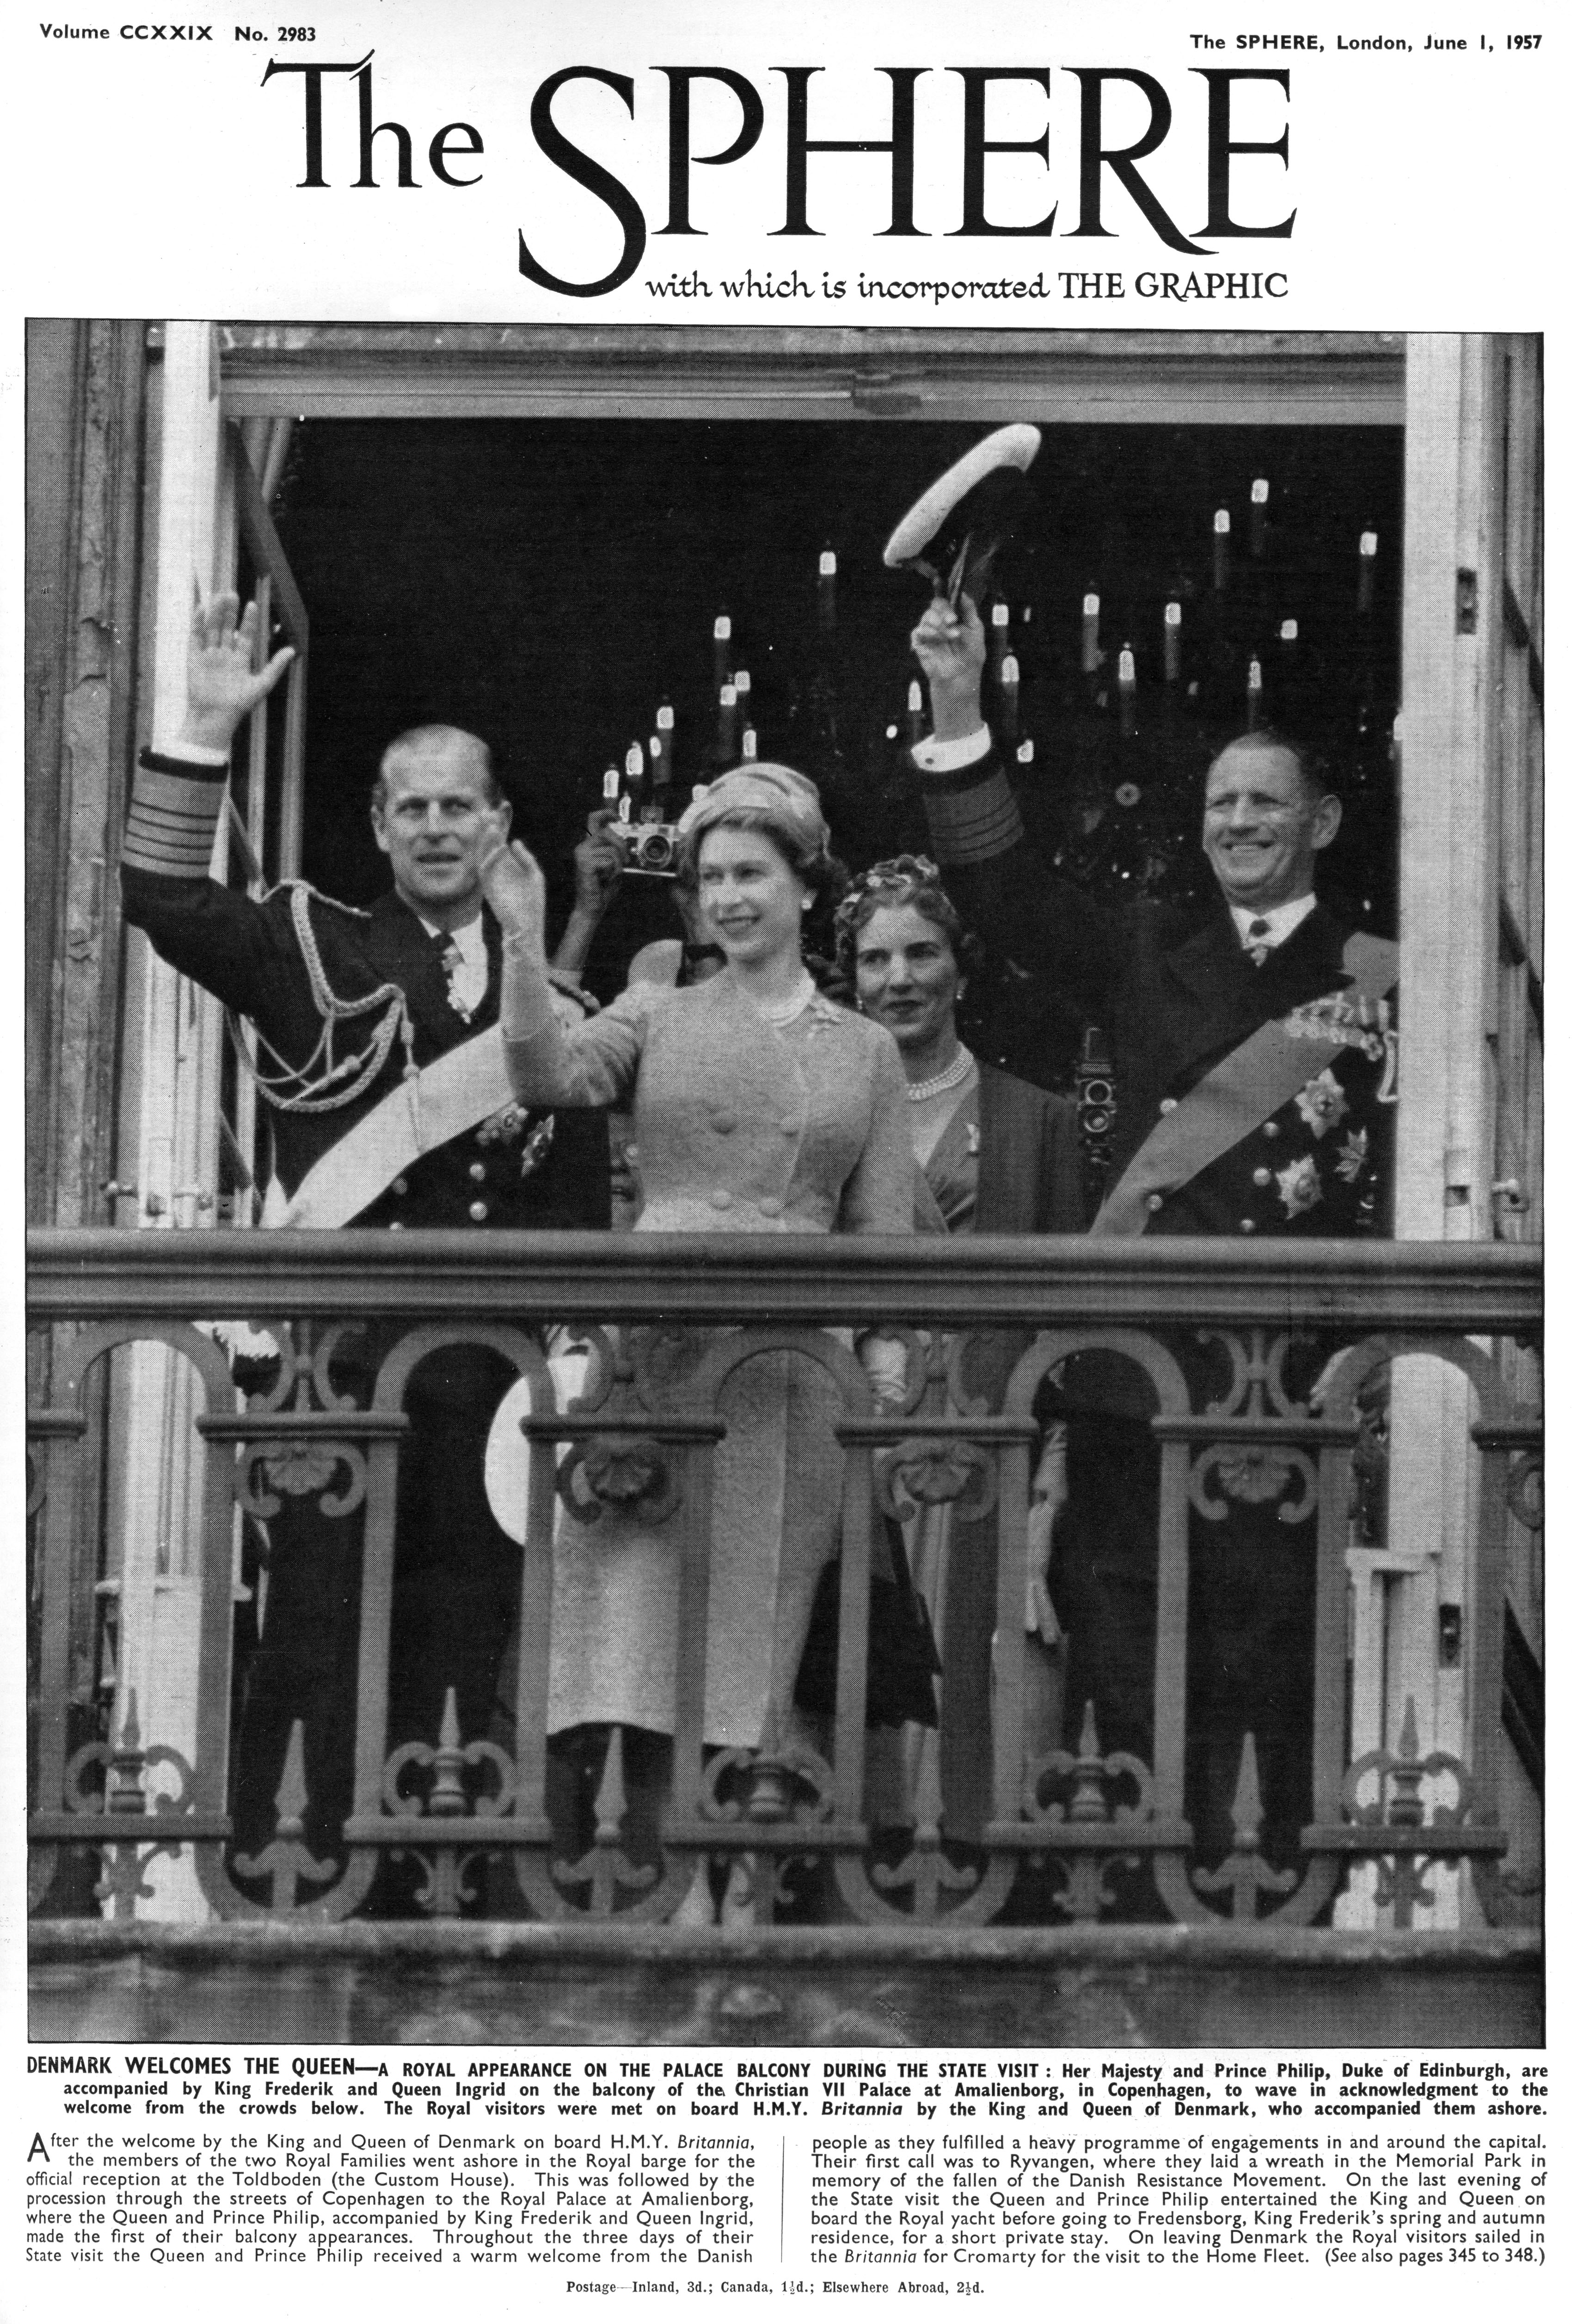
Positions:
{"x": 760, "y": 1107}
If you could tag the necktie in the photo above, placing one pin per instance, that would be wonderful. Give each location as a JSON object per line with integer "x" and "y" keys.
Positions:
{"x": 1258, "y": 940}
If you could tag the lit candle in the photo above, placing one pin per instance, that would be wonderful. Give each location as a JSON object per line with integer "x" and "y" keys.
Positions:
{"x": 634, "y": 766}
{"x": 611, "y": 784}
{"x": 1259, "y": 491}
{"x": 914, "y": 719}
{"x": 827, "y": 573}
{"x": 723, "y": 648}
{"x": 660, "y": 773}
{"x": 666, "y": 727}
{"x": 999, "y": 633}
{"x": 1091, "y": 606}
{"x": 750, "y": 743}
{"x": 1010, "y": 695}
{"x": 1126, "y": 690}
{"x": 1172, "y": 618}
{"x": 1253, "y": 690}
{"x": 729, "y": 722}
{"x": 1222, "y": 525}
{"x": 1366, "y": 571}
{"x": 743, "y": 684}
{"x": 1288, "y": 648}
{"x": 1026, "y": 753}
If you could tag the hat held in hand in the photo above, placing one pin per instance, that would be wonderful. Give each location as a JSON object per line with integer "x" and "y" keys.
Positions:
{"x": 957, "y": 528}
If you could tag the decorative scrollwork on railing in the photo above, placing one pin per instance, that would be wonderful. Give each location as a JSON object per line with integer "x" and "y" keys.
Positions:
{"x": 286, "y": 1863}
{"x": 617, "y": 1473}
{"x": 1244, "y": 1876}
{"x": 1253, "y": 1472}
{"x": 925, "y": 1872}
{"x": 927, "y": 1472}
{"x": 606, "y": 1865}
{"x": 1399, "y": 1808}
{"x": 295, "y": 1439}
{"x": 124, "y": 1765}
{"x": 1085, "y": 1790}
{"x": 124, "y": 1802}
{"x": 1257, "y": 1382}
{"x": 447, "y": 1885}
{"x": 767, "y": 1806}
{"x": 775, "y": 1784}
{"x": 915, "y": 1377}
{"x": 447, "y": 1759}
{"x": 298, "y": 1467}
{"x": 306, "y": 1355}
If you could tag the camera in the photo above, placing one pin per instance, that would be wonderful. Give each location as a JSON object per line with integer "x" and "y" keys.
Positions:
{"x": 651, "y": 849}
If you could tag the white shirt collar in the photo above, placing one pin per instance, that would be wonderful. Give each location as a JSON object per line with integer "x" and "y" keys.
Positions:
{"x": 467, "y": 977}
{"x": 469, "y": 940}
{"x": 1281, "y": 920}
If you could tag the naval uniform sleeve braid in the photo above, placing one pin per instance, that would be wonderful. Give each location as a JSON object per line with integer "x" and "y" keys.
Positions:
{"x": 175, "y": 806}
{"x": 240, "y": 949}
{"x": 549, "y": 1063}
{"x": 1004, "y": 890}
{"x": 971, "y": 810}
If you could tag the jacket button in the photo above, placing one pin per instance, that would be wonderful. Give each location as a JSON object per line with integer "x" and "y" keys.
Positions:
{"x": 1155, "y": 1202}
{"x": 771, "y": 1207}
{"x": 1168, "y": 1104}
{"x": 1247, "y": 1226}
{"x": 1270, "y": 1129}
{"x": 394, "y": 1226}
{"x": 720, "y": 1200}
{"x": 1261, "y": 1177}
{"x": 477, "y": 1171}
{"x": 478, "y": 1212}
{"x": 400, "y": 1186}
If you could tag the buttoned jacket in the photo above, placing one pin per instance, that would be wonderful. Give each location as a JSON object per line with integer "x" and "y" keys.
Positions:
{"x": 1177, "y": 996}
{"x": 248, "y": 952}
{"x": 740, "y": 1126}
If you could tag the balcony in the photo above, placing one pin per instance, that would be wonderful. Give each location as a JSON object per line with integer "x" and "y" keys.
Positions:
{"x": 1082, "y": 1909}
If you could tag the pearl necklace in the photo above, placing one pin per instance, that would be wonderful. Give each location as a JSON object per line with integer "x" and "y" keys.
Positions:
{"x": 784, "y": 1012}
{"x": 954, "y": 1073}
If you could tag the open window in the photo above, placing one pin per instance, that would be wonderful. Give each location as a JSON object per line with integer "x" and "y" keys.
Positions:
{"x": 619, "y": 494}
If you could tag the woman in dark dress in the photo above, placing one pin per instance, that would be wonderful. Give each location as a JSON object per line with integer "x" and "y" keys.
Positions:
{"x": 995, "y": 1155}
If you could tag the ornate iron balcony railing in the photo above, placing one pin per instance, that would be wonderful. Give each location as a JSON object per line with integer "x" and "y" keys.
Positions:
{"x": 1074, "y": 1830}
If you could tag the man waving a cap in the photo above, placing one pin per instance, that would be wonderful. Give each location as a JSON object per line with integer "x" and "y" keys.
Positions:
{"x": 1255, "y": 1063}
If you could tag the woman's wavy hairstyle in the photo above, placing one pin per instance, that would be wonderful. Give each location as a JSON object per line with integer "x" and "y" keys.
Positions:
{"x": 901, "y": 879}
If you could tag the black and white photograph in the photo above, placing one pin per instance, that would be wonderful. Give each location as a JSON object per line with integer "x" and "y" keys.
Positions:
{"x": 778, "y": 1367}
{"x": 614, "y": 852}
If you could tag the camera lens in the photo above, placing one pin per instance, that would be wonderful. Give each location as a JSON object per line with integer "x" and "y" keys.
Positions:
{"x": 656, "y": 851}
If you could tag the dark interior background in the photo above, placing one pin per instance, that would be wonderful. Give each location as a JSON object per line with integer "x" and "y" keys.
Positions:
{"x": 548, "y": 584}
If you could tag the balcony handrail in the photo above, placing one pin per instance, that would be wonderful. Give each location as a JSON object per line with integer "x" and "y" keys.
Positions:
{"x": 78, "y": 1273}
{"x": 1102, "y": 1800}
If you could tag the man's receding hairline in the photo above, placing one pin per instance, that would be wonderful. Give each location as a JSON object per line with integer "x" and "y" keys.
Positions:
{"x": 1312, "y": 779}
{"x": 416, "y": 738}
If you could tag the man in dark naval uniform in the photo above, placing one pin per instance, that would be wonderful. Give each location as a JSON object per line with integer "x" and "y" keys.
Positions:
{"x": 389, "y": 1108}
{"x": 1255, "y": 1061}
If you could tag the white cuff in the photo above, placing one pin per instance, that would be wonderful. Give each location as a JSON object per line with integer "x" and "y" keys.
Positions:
{"x": 936, "y": 758}
{"x": 196, "y": 753}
